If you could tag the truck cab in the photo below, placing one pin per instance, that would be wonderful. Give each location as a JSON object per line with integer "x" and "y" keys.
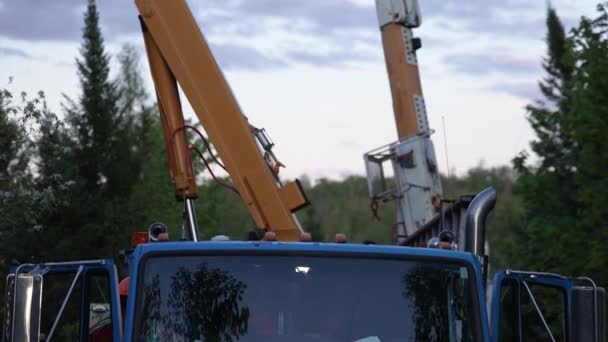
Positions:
{"x": 265, "y": 291}
{"x": 277, "y": 291}
{"x": 273, "y": 291}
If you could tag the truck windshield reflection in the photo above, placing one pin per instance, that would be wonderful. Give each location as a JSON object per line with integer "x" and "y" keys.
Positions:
{"x": 294, "y": 298}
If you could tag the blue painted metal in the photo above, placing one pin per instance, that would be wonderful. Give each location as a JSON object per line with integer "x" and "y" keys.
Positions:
{"x": 245, "y": 246}
{"x": 546, "y": 279}
{"x": 327, "y": 249}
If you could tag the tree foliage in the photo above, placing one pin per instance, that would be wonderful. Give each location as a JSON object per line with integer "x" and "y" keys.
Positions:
{"x": 562, "y": 193}
{"x": 20, "y": 201}
{"x": 96, "y": 153}
{"x": 588, "y": 125}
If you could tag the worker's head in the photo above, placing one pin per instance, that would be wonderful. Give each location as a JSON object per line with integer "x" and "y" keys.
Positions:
{"x": 305, "y": 237}
{"x": 340, "y": 238}
{"x": 123, "y": 287}
{"x": 123, "y": 290}
{"x": 269, "y": 236}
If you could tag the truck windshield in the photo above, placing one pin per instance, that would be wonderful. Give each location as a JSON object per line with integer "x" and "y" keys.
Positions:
{"x": 296, "y": 298}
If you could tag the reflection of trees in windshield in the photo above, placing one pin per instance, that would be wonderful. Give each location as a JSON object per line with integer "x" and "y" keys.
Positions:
{"x": 151, "y": 308}
{"x": 426, "y": 290}
{"x": 206, "y": 302}
{"x": 264, "y": 298}
{"x": 441, "y": 302}
{"x": 152, "y": 298}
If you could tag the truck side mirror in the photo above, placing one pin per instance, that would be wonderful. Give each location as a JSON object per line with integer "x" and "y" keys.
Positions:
{"x": 588, "y": 309}
{"x": 23, "y": 308}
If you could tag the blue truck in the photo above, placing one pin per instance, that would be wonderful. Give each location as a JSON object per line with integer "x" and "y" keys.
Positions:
{"x": 431, "y": 285}
{"x": 299, "y": 291}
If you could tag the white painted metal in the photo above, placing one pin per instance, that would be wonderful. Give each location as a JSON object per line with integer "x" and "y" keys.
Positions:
{"x": 420, "y": 189}
{"x": 410, "y": 52}
{"x": 405, "y": 12}
{"x": 417, "y": 186}
{"x": 421, "y": 117}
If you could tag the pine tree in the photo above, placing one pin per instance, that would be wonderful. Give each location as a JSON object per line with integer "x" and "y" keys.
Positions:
{"x": 97, "y": 153}
{"x": 547, "y": 188}
{"x": 95, "y": 119}
{"x": 546, "y": 116}
{"x": 130, "y": 83}
{"x": 589, "y": 94}
{"x": 91, "y": 122}
{"x": 557, "y": 69}
{"x": 564, "y": 195}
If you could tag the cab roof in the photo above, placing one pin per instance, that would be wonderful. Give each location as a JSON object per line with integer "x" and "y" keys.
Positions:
{"x": 361, "y": 250}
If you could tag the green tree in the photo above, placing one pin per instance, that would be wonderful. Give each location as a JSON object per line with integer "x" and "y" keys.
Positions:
{"x": 95, "y": 118}
{"x": 134, "y": 100}
{"x": 14, "y": 176}
{"x": 17, "y": 197}
{"x": 588, "y": 125}
{"x": 97, "y": 152}
{"x": 344, "y": 207}
{"x": 151, "y": 199}
{"x": 561, "y": 193}
{"x": 20, "y": 203}
{"x": 546, "y": 188}
{"x": 153, "y": 196}
{"x": 16, "y": 146}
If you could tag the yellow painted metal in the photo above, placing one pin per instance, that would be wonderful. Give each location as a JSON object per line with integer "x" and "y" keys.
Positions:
{"x": 172, "y": 119}
{"x": 404, "y": 79}
{"x": 187, "y": 55}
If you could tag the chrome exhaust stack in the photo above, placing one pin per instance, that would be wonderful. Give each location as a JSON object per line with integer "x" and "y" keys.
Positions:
{"x": 475, "y": 224}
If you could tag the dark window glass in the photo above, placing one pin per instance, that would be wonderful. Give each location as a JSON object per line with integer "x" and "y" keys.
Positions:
{"x": 550, "y": 301}
{"x": 508, "y": 324}
{"x": 277, "y": 298}
{"x": 55, "y": 287}
{"x": 100, "y": 309}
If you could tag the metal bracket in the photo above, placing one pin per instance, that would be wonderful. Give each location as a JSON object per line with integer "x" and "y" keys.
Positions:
{"x": 410, "y": 52}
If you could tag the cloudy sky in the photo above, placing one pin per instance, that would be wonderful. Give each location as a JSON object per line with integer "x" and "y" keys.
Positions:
{"x": 312, "y": 72}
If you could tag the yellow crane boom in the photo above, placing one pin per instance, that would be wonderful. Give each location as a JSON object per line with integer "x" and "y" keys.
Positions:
{"x": 178, "y": 54}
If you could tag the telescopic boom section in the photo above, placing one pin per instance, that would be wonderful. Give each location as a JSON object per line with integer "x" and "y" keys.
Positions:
{"x": 396, "y": 19}
{"x": 172, "y": 119}
{"x": 417, "y": 185}
{"x": 178, "y": 52}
